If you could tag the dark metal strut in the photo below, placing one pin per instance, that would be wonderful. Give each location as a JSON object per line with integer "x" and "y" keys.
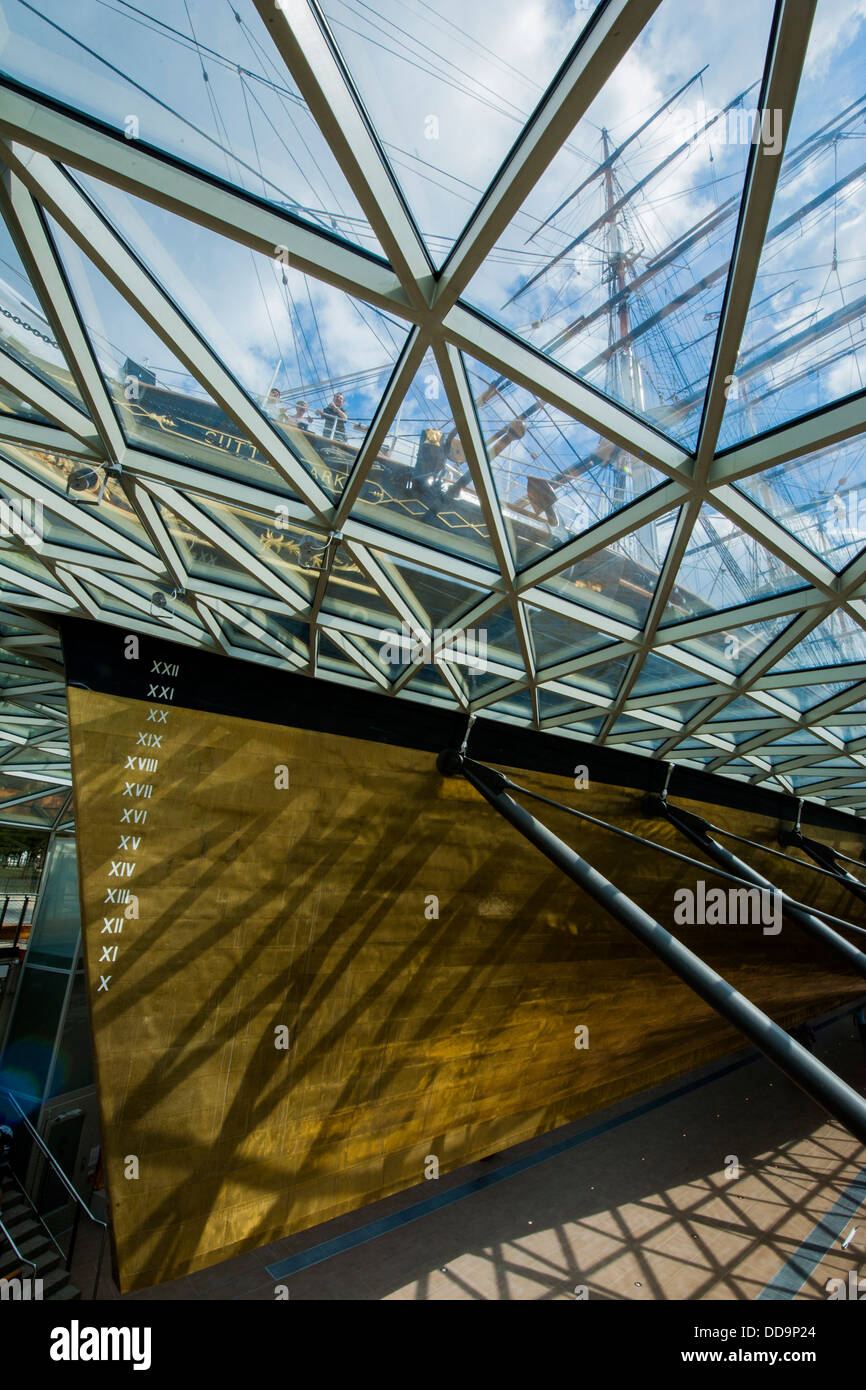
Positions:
{"x": 698, "y": 831}
{"x": 825, "y": 858}
{"x": 822, "y": 1085}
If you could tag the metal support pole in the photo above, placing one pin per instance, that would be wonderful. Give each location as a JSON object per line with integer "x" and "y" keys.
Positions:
{"x": 818, "y": 1082}
{"x": 76, "y": 1218}
{"x": 825, "y": 859}
{"x": 3, "y": 913}
{"x": 697, "y": 831}
{"x": 24, "y": 906}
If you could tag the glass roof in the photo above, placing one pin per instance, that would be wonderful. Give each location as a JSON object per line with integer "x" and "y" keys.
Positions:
{"x": 616, "y": 262}
{"x": 342, "y": 349}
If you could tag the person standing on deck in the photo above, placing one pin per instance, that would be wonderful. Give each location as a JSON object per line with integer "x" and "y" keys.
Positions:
{"x": 272, "y": 405}
{"x": 335, "y": 418}
{"x": 301, "y": 419}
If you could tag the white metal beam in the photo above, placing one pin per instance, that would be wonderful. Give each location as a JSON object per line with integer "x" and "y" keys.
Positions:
{"x": 300, "y": 32}
{"x": 96, "y": 239}
{"x": 603, "y": 43}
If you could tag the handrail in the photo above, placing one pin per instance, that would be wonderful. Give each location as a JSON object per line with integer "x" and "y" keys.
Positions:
{"x": 77, "y": 1198}
{"x": 16, "y": 1251}
{"x": 12, "y": 964}
{"x": 54, "y": 1164}
{"x": 47, "y": 1229}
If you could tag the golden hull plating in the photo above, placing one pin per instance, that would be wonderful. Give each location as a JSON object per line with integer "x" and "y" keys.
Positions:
{"x": 426, "y": 967}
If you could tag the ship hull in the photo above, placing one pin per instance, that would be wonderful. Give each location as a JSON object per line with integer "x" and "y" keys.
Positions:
{"x": 346, "y": 973}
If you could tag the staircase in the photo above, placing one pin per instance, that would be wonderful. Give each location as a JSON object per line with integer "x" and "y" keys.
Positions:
{"x": 34, "y": 1243}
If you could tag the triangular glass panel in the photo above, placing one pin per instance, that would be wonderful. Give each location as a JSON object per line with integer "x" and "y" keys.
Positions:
{"x": 578, "y": 724}
{"x": 809, "y": 777}
{"x": 621, "y": 579}
{"x": 36, "y": 756}
{"x": 554, "y": 477}
{"x": 735, "y": 648}
{"x": 429, "y": 681}
{"x": 694, "y": 755}
{"x": 480, "y": 684}
{"x": 802, "y": 346}
{"x": 161, "y": 603}
{"x": 429, "y": 75}
{"x": 245, "y": 640}
{"x": 557, "y": 639}
{"x": 851, "y": 733}
{"x": 502, "y": 640}
{"x": 444, "y": 599}
{"x": 737, "y": 736}
{"x": 35, "y": 525}
{"x": 793, "y": 741}
{"x": 333, "y": 658}
{"x": 289, "y": 631}
{"x": 290, "y": 550}
{"x": 420, "y": 484}
{"x": 779, "y": 756}
{"x": 516, "y": 706}
{"x": 205, "y": 84}
{"x": 25, "y": 332}
{"x": 617, "y": 262}
{"x": 160, "y": 406}
{"x": 682, "y": 711}
{"x": 13, "y": 407}
{"x": 483, "y": 658}
{"x": 315, "y": 359}
{"x": 626, "y": 724}
{"x": 740, "y": 709}
{"x": 659, "y": 676}
{"x": 350, "y": 594}
{"x": 12, "y": 681}
{"x": 13, "y": 625}
{"x": 602, "y": 679}
{"x": 86, "y": 485}
{"x": 57, "y": 531}
{"x": 109, "y": 600}
{"x": 202, "y": 557}
{"x": 724, "y": 567}
{"x": 552, "y": 705}
{"x": 837, "y": 765}
{"x": 25, "y": 566}
{"x": 493, "y": 642}
{"x": 835, "y": 642}
{"x": 804, "y": 697}
{"x": 820, "y": 498}
{"x": 16, "y": 657}
{"x": 42, "y": 810}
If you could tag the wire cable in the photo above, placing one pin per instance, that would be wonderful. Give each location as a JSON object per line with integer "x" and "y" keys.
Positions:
{"x": 675, "y": 854}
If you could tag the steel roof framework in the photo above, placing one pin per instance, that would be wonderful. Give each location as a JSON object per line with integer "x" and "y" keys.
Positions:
{"x": 39, "y": 142}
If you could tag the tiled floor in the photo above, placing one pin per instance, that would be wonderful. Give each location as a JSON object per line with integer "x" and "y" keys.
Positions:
{"x": 705, "y": 1197}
